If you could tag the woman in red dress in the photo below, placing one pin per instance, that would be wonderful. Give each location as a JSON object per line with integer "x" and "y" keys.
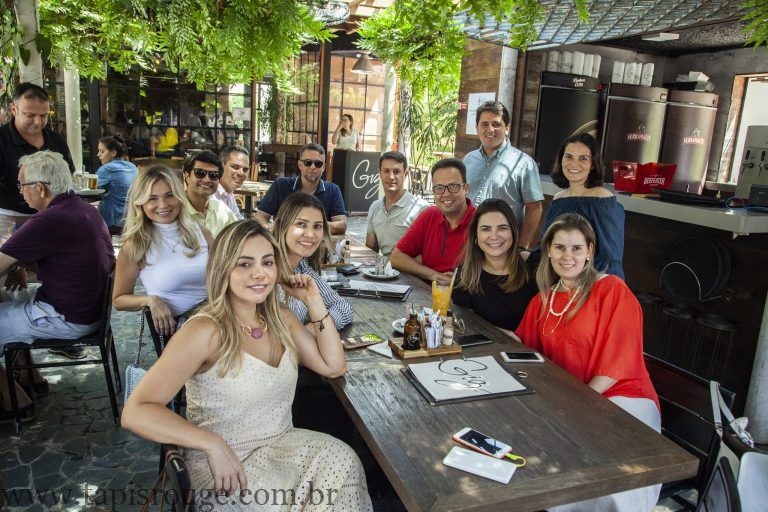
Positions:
{"x": 591, "y": 324}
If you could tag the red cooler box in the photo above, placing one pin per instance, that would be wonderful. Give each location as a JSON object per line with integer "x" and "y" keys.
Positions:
{"x": 642, "y": 178}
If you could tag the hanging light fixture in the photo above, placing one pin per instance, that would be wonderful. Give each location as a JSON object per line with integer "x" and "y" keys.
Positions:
{"x": 363, "y": 65}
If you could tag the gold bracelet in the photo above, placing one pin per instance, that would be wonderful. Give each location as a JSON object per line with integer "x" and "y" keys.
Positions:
{"x": 320, "y": 324}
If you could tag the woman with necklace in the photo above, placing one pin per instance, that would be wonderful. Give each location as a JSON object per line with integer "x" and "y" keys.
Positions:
{"x": 579, "y": 171}
{"x": 164, "y": 248}
{"x": 301, "y": 230}
{"x": 238, "y": 358}
{"x": 591, "y": 325}
{"x": 495, "y": 280}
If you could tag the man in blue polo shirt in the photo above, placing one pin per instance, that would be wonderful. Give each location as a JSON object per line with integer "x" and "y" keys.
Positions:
{"x": 311, "y": 166}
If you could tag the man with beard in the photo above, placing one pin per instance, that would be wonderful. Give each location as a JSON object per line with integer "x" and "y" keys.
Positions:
{"x": 311, "y": 167}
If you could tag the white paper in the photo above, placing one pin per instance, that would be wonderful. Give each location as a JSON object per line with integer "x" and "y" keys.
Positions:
{"x": 567, "y": 62}
{"x": 462, "y": 378}
{"x": 474, "y": 101}
{"x": 553, "y": 61}
{"x": 587, "y": 68}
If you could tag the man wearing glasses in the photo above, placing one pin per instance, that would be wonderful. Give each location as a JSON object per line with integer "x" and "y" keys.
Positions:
{"x": 70, "y": 248}
{"x": 499, "y": 170}
{"x": 24, "y": 134}
{"x": 311, "y": 167}
{"x": 202, "y": 172}
{"x": 235, "y": 160}
{"x": 438, "y": 235}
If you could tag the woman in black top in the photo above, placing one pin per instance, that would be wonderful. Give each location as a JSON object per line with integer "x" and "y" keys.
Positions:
{"x": 495, "y": 280}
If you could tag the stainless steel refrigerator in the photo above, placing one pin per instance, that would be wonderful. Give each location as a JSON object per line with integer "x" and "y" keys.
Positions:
{"x": 568, "y": 104}
{"x": 633, "y": 126}
{"x": 688, "y": 129}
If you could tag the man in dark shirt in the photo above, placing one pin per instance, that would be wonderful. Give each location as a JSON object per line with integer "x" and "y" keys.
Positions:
{"x": 24, "y": 134}
{"x": 311, "y": 166}
{"x": 68, "y": 245}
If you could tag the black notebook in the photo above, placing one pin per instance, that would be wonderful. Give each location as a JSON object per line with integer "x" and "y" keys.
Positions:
{"x": 371, "y": 290}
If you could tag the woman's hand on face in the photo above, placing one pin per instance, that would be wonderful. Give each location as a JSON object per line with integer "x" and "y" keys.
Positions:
{"x": 302, "y": 287}
{"x": 161, "y": 316}
{"x": 227, "y": 471}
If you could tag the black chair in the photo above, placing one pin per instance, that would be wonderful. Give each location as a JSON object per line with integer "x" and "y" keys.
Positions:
{"x": 179, "y": 401}
{"x": 686, "y": 419}
{"x": 721, "y": 493}
{"x": 102, "y": 339}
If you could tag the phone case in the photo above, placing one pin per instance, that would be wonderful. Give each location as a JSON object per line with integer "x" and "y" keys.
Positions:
{"x": 479, "y": 464}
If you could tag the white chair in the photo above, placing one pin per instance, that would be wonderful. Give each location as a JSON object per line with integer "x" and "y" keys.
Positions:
{"x": 753, "y": 482}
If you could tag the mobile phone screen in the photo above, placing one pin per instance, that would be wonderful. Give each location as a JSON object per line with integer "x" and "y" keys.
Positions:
{"x": 472, "y": 339}
{"x": 525, "y": 356}
{"x": 484, "y": 443}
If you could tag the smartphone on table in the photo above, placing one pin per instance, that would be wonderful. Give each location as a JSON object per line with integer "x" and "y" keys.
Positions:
{"x": 522, "y": 356}
{"x": 470, "y": 340}
{"x": 482, "y": 443}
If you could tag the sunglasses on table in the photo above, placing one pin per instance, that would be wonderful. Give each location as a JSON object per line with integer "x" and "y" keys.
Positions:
{"x": 201, "y": 173}
{"x": 309, "y": 162}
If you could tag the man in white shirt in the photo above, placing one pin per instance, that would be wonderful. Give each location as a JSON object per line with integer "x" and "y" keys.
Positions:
{"x": 391, "y": 216}
{"x": 235, "y": 160}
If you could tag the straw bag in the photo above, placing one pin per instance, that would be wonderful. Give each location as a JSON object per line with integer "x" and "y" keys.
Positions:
{"x": 135, "y": 371}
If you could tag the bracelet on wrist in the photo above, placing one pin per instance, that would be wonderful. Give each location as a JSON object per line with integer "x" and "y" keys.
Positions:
{"x": 319, "y": 323}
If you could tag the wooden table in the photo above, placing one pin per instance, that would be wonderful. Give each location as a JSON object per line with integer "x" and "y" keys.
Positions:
{"x": 578, "y": 444}
{"x": 251, "y": 189}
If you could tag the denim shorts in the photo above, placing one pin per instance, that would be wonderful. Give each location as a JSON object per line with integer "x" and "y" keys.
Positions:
{"x": 25, "y": 319}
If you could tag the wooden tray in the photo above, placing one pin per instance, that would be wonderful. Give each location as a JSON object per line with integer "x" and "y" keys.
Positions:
{"x": 396, "y": 344}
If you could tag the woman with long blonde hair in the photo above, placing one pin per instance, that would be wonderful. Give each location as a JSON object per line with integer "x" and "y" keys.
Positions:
{"x": 591, "y": 325}
{"x": 164, "y": 248}
{"x": 238, "y": 358}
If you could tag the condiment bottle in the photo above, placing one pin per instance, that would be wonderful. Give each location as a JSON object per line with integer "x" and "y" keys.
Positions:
{"x": 448, "y": 329}
{"x": 346, "y": 253}
{"x": 412, "y": 333}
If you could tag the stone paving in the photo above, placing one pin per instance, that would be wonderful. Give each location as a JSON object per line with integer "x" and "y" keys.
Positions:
{"x": 72, "y": 457}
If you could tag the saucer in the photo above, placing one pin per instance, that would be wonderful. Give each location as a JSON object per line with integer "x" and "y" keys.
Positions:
{"x": 399, "y": 325}
{"x": 370, "y": 273}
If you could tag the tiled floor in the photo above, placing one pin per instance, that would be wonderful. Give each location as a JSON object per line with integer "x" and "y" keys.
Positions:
{"x": 73, "y": 452}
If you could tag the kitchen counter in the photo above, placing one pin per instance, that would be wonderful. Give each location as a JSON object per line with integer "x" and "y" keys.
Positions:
{"x": 737, "y": 221}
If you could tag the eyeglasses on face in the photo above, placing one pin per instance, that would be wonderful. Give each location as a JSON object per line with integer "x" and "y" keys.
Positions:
{"x": 201, "y": 173}
{"x": 21, "y": 186}
{"x": 308, "y": 162}
{"x": 451, "y": 187}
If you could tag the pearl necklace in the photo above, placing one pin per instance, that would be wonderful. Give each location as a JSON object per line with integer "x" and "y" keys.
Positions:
{"x": 552, "y": 311}
{"x": 254, "y": 332}
{"x": 570, "y": 301}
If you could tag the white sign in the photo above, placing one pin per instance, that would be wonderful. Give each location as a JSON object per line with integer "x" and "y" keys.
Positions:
{"x": 475, "y": 99}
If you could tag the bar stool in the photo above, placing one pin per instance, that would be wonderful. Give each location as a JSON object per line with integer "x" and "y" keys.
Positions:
{"x": 714, "y": 330}
{"x": 678, "y": 328}
{"x": 652, "y": 334}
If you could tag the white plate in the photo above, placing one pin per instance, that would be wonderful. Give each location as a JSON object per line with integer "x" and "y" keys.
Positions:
{"x": 399, "y": 325}
{"x": 371, "y": 274}
{"x": 90, "y": 192}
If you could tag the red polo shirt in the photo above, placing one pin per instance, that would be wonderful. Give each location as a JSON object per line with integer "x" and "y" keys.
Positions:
{"x": 431, "y": 237}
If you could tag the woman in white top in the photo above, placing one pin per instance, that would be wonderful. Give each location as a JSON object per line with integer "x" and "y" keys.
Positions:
{"x": 164, "y": 248}
{"x": 346, "y": 137}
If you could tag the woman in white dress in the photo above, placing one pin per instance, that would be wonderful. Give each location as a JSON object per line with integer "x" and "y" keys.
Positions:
{"x": 164, "y": 248}
{"x": 238, "y": 358}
